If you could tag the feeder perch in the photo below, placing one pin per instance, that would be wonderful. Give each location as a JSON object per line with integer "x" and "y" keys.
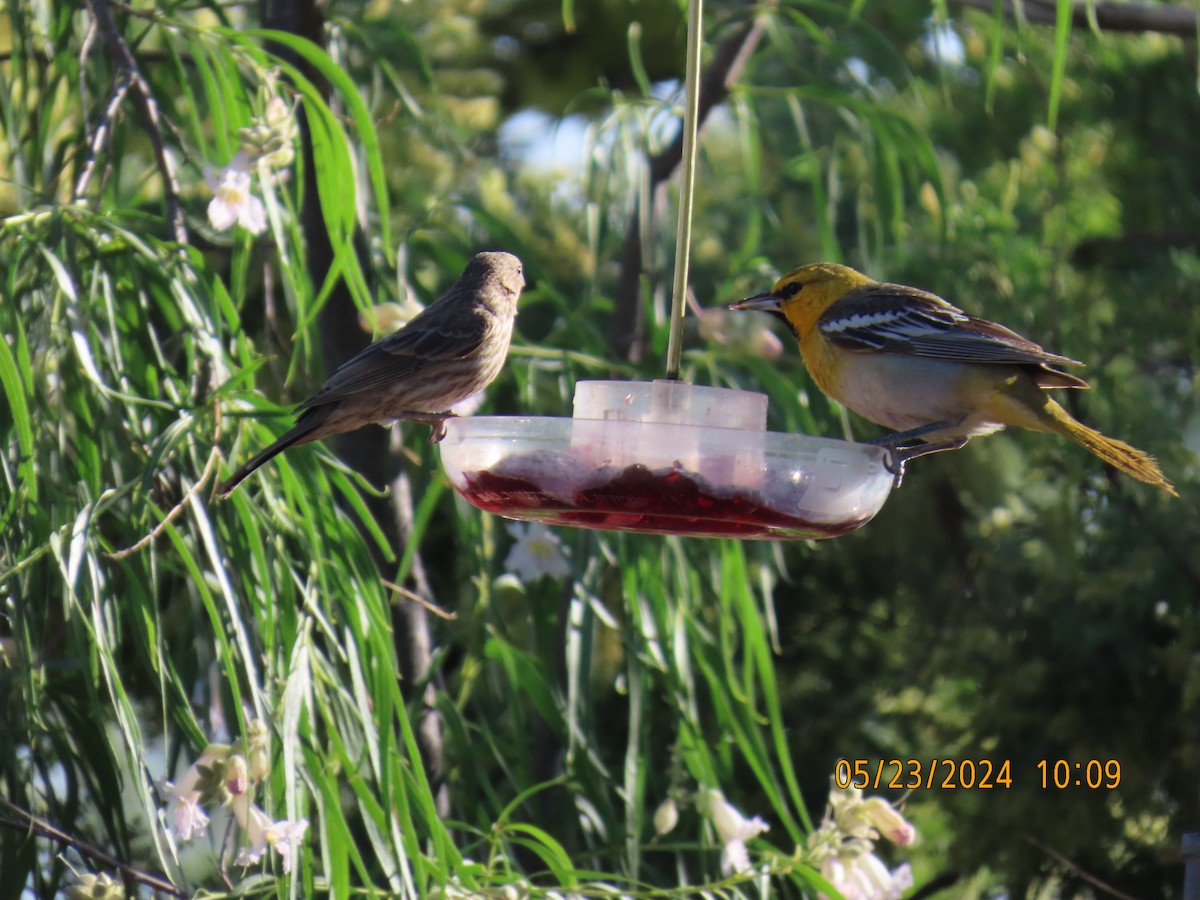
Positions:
{"x": 665, "y": 457}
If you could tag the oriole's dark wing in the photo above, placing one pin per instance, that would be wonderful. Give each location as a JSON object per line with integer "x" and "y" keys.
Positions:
{"x": 892, "y": 318}
{"x": 443, "y": 331}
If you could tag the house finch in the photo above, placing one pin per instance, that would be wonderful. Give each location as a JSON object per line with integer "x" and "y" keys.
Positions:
{"x": 452, "y": 349}
{"x": 909, "y": 360}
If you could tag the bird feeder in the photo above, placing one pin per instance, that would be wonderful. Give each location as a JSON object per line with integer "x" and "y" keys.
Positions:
{"x": 665, "y": 457}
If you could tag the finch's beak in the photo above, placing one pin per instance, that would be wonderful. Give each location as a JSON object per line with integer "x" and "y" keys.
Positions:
{"x": 767, "y": 302}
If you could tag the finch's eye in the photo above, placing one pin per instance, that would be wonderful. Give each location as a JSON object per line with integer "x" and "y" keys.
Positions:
{"x": 791, "y": 290}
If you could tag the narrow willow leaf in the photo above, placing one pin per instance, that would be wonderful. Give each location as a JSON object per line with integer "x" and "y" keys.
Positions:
{"x": 62, "y": 277}
{"x": 246, "y": 657}
{"x": 18, "y": 401}
{"x": 348, "y": 91}
{"x": 1062, "y": 36}
{"x": 636, "y": 63}
{"x": 551, "y": 852}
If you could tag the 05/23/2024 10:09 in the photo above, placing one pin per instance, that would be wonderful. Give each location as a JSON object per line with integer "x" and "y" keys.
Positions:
{"x": 974, "y": 774}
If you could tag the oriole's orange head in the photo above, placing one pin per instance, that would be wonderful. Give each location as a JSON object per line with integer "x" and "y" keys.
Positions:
{"x": 800, "y": 296}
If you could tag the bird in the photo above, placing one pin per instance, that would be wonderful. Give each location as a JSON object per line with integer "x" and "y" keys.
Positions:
{"x": 910, "y": 361}
{"x": 453, "y": 348}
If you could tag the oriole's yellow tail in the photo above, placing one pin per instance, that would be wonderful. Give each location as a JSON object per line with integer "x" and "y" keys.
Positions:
{"x": 1129, "y": 460}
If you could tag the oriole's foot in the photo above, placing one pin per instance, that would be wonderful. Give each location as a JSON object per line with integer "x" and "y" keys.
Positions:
{"x": 894, "y": 463}
{"x": 900, "y": 451}
{"x": 900, "y": 438}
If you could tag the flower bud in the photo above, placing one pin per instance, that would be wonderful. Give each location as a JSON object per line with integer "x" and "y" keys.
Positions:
{"x": 888, "y": 822}
{"x": 237, "y": 776}
{"x": 256, "y": 750}
{"x": 95, "y": 887}
{"x": 666, "y": 817}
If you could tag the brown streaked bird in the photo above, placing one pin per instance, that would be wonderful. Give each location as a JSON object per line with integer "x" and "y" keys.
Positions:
{"x": 452, "y": 349}
{"x": 906, "y": 359}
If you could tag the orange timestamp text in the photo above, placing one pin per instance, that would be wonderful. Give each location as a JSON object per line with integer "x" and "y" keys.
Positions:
{"x": 973, "y": 774}
{"x": 948, "y": 774}
{"x": 1104, "y": 774}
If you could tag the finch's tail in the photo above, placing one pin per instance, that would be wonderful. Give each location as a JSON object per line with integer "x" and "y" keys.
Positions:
{"x": 301, "y": 432}
{"x": 1129, "y": 460}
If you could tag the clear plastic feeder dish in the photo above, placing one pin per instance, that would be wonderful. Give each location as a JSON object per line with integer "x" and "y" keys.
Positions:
{"x": 665, "y": 457}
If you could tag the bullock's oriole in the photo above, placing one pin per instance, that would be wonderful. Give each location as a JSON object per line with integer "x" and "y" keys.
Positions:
{"x": 910, "y": 361}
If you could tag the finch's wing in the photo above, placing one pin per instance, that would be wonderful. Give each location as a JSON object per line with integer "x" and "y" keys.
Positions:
{"x": 892, "y": 318}
{"x": 440, "y": 333}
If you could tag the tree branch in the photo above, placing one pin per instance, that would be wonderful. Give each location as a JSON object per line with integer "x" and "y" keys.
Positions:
{"x": 130, "y": 77}
{"x": 1178, "y": 20}
{"x": 418, "y": 649}
{"x": 1091, "y": 879}
{"x": 27, "y": 821}
{"x": 100, "y": 134}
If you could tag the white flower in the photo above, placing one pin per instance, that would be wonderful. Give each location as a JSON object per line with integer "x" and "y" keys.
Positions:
{"x": 537, "y": 551}
{"x": 232, "y": 202}
{"x": 869, "y": 818}
{"x": 865, "y": 877}
{"x": 190, "y": 818}
{"x": 733, "y": 830}
{"x": 843, "y": 801}
{"x": 902, "y": 878}
{"x": 843, "y": 847}
{"x": 666, "y": 817}
{"x": 893, "y": 826}
{"x": 283, "y": 836}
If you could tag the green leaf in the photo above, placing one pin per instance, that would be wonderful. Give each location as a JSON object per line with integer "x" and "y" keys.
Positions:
{"x": 18, "y": 401}
{"x": 1062, "y": 37}
{"x": 349, "y": 92}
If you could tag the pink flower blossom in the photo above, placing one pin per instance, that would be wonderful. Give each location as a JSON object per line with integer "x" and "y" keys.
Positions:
{"x": 733, "y": 830}
{"x": 232, "y": 203}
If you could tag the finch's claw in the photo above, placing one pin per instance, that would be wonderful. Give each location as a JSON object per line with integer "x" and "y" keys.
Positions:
{"x": 439, "y": 429}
